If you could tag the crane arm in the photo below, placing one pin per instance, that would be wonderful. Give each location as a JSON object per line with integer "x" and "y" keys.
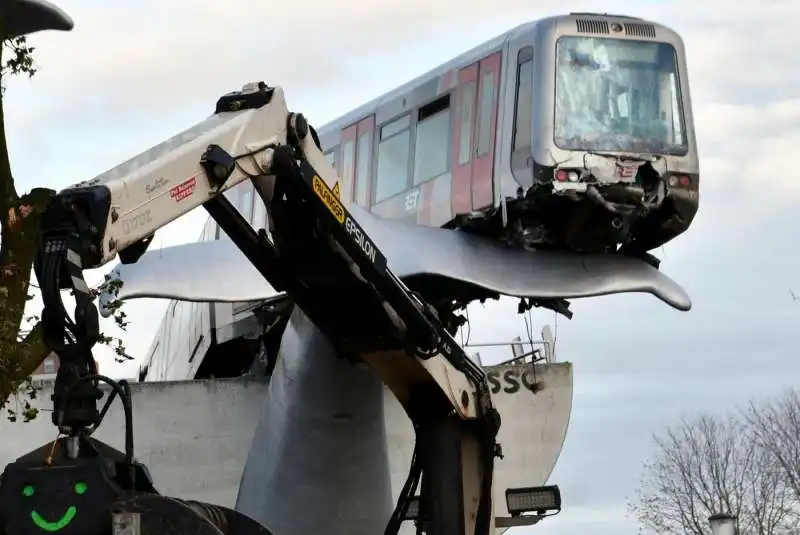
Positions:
{"x": 125, "y": 205}
{"x": 315, "y": 250}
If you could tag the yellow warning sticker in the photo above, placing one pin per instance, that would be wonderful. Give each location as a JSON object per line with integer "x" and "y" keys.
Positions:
{"x": 336, "y": 190}
{"x": 328, "y": 198}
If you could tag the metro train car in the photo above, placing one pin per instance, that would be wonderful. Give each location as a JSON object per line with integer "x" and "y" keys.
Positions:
{"x": 570, "y": 132}
{"x": 573, "y": 132}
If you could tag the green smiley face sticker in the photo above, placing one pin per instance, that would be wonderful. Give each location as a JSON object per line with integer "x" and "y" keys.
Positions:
{"x": 52, "y": 526}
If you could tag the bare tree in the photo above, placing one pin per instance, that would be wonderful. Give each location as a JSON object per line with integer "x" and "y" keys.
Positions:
{"x": 705, "y": 465}
{"x": 774, "y": 425}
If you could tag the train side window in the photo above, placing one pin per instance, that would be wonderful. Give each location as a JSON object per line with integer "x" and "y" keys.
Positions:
{"x": 238, "y": 197}
{"x": 143, "y": 372}
{"x": 331, "y": 157}
{"x": 246, "y": 208}
{"x": 232, "y": 195}
{"x": 433, "y": 140}
{"x": 363, "y": 169}
{"x": 209, "y": 230}
{"x": 241, "y": 196}
{"x": 259, "y": 212}
{"x": 485, "y": 114}
{"x": 393, "y": 154}
{"x": 467, "y": 111}
{"x": 523, "y": 112}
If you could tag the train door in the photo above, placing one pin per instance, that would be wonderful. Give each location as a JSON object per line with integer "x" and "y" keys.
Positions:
{"x": 362, "y": 191}
{"x": 347, "y": 160}
{"x": 485, "y": 128}
{"x": 466, "y": 96}
{"x": 356, "y": 161}
{"x": 473, "y": 142}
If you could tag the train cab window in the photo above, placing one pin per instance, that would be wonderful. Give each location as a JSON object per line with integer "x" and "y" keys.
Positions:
{"x": 331, "y": 157}
{"x": 393, "y": 155}
{"x": 523, "y": 112}
{"x": 674, "y": 104}
{"x": 364, "y": 150}
{"x": 628, "y": 86}
{"x": 433, "y": 140}
{"x": 466, "y": 114}
{"x": 485, "y": 114}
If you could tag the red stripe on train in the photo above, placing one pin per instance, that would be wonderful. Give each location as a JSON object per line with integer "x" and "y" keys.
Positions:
{"x": 426, "y": 204}
{"x": 447, "y": 81}
{"x": 465, "y": 103}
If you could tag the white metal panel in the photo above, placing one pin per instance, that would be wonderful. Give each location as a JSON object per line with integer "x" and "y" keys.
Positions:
{"x": 195, "y": 435}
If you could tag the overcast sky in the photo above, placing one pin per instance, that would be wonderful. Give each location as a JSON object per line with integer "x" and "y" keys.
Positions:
{"x": 132, "y": 74}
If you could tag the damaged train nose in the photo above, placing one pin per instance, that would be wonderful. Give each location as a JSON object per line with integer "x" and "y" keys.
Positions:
{"x": 613, "y": 165}
{"x": 614, "y": 200}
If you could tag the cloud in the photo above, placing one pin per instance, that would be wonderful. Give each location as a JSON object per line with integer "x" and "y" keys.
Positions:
{"x": 597, "y": 520}
{"x": 153, "y": 68}
{"x": 188, "y": 50}
{"x": 158, "y": 55}
{"x": 741, "y": 51}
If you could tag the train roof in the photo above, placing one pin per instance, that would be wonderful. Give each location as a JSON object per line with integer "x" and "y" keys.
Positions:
{"x": 468, "y": 57}
{"x": 472, "y": 55}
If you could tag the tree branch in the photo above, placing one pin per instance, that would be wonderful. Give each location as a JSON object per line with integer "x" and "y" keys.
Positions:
{"x": 33, "y": 344}
{"x": 706, "y": 465}
{"x": 8, "y": 192}
{"x": 19, "y": 231}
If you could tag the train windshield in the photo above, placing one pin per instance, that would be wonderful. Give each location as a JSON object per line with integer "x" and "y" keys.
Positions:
{"x": 618, "y": 95}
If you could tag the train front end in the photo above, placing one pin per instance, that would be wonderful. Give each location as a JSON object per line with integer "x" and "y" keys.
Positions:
{"x": 615, "y": 164}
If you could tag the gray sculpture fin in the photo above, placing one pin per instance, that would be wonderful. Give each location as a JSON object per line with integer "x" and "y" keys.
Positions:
{"x": 217, "y": 271}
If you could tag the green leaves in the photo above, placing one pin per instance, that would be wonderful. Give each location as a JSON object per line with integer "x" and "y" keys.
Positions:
{"x": 22, "y": 407}
{"x": 18, "y": 58}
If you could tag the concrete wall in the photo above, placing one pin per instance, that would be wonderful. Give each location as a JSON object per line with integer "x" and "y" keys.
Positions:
{"x": 195, "y": 435}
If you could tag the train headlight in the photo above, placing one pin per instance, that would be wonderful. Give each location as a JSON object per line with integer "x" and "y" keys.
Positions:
{"x": 573, "y": 176}
{"x": 678, "y": 180}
